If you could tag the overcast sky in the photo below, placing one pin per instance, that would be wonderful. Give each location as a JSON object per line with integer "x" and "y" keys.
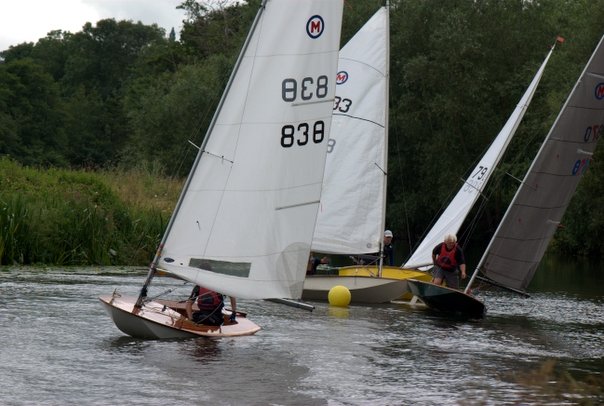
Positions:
{"x": 29, "y": 20}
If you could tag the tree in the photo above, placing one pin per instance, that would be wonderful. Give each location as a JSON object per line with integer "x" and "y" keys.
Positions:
{"x": 35, "y": 112}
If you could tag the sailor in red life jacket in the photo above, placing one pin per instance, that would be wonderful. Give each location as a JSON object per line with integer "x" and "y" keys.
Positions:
{"x": 448, "y": 258}
{"x": 210, "y": 305}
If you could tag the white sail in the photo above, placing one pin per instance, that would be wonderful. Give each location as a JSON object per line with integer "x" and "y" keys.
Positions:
{"x": 250, "y": 205}
{"x": 451, "y": 219}
{"x": 532, "y": 218}
{"x": 352, "y": 210}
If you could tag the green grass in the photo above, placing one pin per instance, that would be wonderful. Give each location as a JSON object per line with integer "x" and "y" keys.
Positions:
{"x": 63, "y": 217}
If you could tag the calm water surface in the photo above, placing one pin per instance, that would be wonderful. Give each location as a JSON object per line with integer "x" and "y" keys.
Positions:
{"x": 58, "y": 347}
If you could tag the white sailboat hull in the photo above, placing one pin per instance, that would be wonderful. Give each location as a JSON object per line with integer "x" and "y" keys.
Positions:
{"x": 160, "y": 321}
{"x": 362, "y": 289}
{"x": 364, "y": 284}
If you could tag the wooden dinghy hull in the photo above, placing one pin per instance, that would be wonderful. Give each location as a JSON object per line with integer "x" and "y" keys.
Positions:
{"x": 447, "y": 300}
{"x": 157, "y": 320}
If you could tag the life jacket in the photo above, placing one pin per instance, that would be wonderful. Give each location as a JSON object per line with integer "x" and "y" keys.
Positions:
{"x": 208, "y": 300}
{"x": 446, "y": 259}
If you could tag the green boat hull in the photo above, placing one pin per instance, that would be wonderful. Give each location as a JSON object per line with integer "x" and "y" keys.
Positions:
{"x": 447, "y": 300}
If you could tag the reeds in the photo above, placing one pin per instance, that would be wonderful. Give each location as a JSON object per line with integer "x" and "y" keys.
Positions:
{"x": 62, "y": 217}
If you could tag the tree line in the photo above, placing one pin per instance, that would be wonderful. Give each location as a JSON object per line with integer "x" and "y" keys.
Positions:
{"x": 120, "y": 94}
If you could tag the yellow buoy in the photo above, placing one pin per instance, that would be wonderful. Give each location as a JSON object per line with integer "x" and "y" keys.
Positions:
{"x": 339, "y": 296}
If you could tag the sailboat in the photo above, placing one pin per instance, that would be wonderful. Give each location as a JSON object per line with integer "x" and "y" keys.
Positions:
{"x": 244, "y": 221}
{"x": 353, "y": 202}
{"x": 519, "y": 243}
{"x": 452, "y": 218}
{"x": 327, "y": 240}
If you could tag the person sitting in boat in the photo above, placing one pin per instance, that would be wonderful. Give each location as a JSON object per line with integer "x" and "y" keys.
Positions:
{"x": 314, "y": 262}
{"x": 388, "y": 248}
{"x": 448, "y": 258}
{"x": 210, "y": 305}
{"x": 373, "y": 259}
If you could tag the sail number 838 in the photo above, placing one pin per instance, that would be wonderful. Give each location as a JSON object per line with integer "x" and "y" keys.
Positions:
{"x": 302, "y": 134}
{"x": 307, "y": 88}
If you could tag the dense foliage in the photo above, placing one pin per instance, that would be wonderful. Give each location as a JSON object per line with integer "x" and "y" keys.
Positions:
{"x": 119, "y": 93}
{"x": 67, "y": 217}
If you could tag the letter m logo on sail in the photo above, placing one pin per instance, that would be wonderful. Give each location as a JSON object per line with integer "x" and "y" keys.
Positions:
{"x": 341, "y": 77}
{"x": 315, "y": 26}
{"x": 600, "y": 91}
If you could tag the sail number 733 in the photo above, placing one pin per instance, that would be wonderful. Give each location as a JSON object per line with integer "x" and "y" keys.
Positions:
{"x": 304, "y": 90}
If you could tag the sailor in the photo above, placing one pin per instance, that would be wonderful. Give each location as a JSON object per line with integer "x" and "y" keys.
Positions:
{"x": 210, "y": 305}
{"x": 388, "y": 248}
{"x": 448, "y": 258}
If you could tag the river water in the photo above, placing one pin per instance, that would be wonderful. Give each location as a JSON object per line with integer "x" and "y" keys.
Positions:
{"x": 58, "y": 347}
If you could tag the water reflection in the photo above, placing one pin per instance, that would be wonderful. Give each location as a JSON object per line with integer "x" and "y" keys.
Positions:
{"x": 579, "y": 277}
{"x": 204, "y": 349}
{"x": 338, "y": 312}
{"x": 126, "y": 344}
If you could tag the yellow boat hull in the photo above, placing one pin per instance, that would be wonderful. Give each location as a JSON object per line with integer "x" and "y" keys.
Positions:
{"x": 364, "y": 283}
{"x": 388, "y": 272}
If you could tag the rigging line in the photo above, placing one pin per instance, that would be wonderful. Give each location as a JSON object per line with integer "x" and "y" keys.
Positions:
{"x": 447, "y": 200}
{"x": 150, "y": 299}
{"x": 403, "y": 194}
{"x": 520, "y": 181}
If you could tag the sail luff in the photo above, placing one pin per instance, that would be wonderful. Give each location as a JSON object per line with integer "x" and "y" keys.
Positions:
{"x": 519, "y": 243}
{"x": 452, "y": 218}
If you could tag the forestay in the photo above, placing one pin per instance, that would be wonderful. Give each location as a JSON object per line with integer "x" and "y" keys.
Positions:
{"x": 250, "y": 204}
{"x": 353, "y": 203}
{"x": 451, "y": 219}
{"x": 530, "y": 222}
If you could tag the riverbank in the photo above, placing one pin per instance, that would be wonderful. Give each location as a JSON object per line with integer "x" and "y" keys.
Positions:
{"x": 68, "y": 217}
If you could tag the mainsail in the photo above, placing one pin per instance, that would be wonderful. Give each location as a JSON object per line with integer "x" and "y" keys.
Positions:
{"x": 353, "y": 202}
{"x": 456, "y": 212}
{"x": 244, "y": 223}
{"x": 534, "y": 215}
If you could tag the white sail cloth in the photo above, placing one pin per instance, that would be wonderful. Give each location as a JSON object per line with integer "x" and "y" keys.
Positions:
{"x": 251, "y": 202}
{"x": 352, "y": 210}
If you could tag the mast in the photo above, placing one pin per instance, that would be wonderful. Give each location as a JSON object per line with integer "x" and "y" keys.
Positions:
{"x": 386, "y": 117}
{"x": 153, "y": 265}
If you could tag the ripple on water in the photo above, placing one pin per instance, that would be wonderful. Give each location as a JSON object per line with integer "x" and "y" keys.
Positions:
{"x": 61, "y": 348}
